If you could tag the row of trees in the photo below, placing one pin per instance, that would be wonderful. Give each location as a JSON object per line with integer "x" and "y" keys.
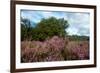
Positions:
{"x": 44, "y": 29}
{"x": 77, "y": 38}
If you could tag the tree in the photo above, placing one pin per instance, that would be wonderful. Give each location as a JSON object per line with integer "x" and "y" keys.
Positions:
{"x": 49, "y": 27}
{"x": 26, "y": 29}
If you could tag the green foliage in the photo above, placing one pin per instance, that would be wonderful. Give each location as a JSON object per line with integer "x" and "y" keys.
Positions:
{"x": 46, "y": 28}
{"x": 78, "y": 38}
{"x": 26, "y": 29}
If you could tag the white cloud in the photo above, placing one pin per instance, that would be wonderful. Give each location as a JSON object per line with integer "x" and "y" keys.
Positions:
{"x": 79, "y": 23}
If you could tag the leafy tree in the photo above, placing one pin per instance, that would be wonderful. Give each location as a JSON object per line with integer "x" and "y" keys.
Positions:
{"x": 26, "y": 29}
{"x": 49, "y": 27}
{"x": 46, "y": 28}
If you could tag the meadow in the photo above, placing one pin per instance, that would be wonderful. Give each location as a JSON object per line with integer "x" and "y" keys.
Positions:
{"x": 54, "y": 49}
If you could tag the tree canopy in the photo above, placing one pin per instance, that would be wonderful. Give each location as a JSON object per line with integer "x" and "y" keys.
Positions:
{"x": 44, "y": 29}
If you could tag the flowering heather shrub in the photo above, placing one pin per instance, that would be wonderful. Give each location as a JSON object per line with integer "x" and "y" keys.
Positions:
{"x": 56, "y": 43}
{"x": 54, "y": 49}
{"x": 79, "y": 50}
{"x": 36, "y": 51}
{"x": 54, "y": 57}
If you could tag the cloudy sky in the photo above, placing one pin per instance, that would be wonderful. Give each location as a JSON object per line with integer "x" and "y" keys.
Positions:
{"x": 79, "y": 22}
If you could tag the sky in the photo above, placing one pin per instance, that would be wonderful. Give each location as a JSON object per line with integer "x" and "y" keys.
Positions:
{"x": 79, "y": 23}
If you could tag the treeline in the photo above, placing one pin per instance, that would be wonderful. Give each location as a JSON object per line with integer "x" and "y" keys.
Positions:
{"x": 44, "y": 29}
{"x": 77, "y": 38}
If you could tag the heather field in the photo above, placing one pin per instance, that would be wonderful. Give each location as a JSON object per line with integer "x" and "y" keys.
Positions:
{"x": 54, "y": 49}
